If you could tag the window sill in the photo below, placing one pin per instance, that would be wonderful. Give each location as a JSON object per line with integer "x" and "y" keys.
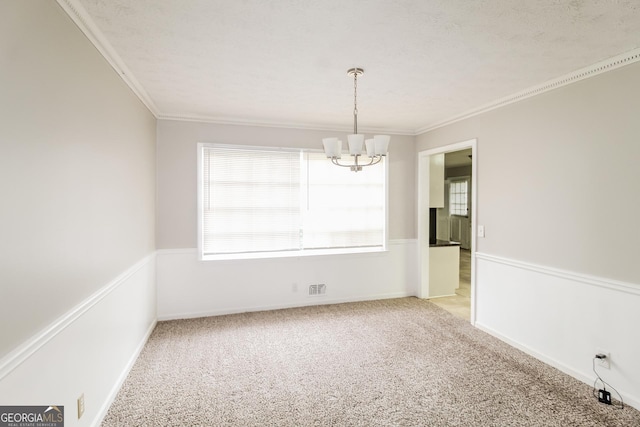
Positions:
{"x": 293, "y": 254}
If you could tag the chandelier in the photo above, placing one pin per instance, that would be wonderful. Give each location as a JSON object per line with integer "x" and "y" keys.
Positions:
{"x": 374, "y": 149}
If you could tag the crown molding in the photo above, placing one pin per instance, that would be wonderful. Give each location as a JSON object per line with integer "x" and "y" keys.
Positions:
{"x": 285, "y": 125}
{"x": 610, "y": 64}
{"x": 83, "y": 21}
{"x": 593, "y": 70}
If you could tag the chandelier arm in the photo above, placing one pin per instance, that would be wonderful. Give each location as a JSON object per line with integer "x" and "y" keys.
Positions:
{"x": 374, "y": 161}
{"x": 335, "y": 161}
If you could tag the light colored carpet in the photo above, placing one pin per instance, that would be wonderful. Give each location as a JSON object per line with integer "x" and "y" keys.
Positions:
{"x": 402, "y": 362}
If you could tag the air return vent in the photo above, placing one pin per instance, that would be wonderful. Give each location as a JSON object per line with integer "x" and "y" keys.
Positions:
{"x": 319, "y": 289}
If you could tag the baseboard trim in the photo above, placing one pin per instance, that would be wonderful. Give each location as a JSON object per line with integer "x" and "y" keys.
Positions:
{"x": 16, "y": 357}
{"x": 442, "y": 296}
{"x": 123, "y": 376}
{"x": 601, "y": 282}
{"x": 312, "y": 302}
{"x": 628, "y": 399}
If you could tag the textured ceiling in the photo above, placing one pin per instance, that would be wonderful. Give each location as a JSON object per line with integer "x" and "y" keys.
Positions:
{"x": 284, "y": 62}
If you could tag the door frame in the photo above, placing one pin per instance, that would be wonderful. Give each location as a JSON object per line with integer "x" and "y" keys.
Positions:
{"x": 423, "y": 216}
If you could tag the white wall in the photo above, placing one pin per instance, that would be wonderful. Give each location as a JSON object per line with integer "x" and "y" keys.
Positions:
{"x": 557, "y": 191}
{"x": 562, "y": 317}
{"x": 88, "y": 351}
{"x": 77, "y": 179}
{"x": 188, "y": 287}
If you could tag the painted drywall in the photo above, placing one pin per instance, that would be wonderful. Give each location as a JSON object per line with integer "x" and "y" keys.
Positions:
{"x": 177, "y": 173}
{"x": 558, "y": 175}
{"x": 77, "y": 171}
{"x": 563, "y": 318}
{"x": 89, "y": 352}
{"x": 188, "y": 287}
{"x": 557, "y": 186}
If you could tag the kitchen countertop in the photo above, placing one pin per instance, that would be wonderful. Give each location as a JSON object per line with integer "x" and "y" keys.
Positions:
{"x": 443, "y": 243}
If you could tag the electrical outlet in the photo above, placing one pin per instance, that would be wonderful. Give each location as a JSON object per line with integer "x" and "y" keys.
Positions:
{"x": 294, "y": 287}
{"x": 80, "y": 405}
{"x": 604, "y": 396}
{"x": 606, "y": 362}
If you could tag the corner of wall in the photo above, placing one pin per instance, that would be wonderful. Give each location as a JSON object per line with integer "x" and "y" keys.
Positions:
{"x": 89, "y": 350}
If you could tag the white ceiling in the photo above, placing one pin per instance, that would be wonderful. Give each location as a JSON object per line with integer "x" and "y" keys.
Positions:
{"x": 284, "y": 62}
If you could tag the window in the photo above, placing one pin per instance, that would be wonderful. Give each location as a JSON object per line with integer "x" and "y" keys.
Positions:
{"x": 458, "y": 197}
{"x": 256, "y": 202}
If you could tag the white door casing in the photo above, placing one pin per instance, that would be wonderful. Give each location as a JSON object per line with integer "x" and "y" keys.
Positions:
{"x": 423, "y": 216}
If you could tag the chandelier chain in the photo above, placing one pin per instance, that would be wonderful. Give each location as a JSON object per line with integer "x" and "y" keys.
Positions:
{"x": 355, "y": 103}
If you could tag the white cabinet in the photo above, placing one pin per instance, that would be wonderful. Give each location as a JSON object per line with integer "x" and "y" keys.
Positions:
{"x": 444, "y": 270}
{"x": 436, "y": 181}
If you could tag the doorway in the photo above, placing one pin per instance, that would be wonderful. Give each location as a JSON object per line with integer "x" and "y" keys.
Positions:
{"x": 455, "y": 223}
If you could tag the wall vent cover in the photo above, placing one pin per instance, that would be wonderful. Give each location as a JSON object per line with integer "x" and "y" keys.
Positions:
{"x": 319, "y": 289}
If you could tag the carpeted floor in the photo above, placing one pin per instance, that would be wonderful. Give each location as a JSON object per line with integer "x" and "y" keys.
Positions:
{"x": 402, "y": 362}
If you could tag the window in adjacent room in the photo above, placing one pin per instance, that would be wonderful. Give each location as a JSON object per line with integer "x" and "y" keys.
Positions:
{"x": 458, "y": 197}
{"x": 261, "y": 202}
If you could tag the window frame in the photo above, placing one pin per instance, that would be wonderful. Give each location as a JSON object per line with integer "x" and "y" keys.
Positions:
{"x": 279, "y": 254}
{"x": 455, "y": 180}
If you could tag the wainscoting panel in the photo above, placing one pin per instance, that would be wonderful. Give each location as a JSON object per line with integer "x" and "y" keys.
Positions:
{"x": 88, "y": 351}
{"x": 188, "y": 287}
{"x": 562, "y": 317}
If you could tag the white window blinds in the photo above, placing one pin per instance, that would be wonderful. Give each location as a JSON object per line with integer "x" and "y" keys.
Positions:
{"x": 343, "y": 208}
{"x": 261, "y": 200}
{"x": 251, "y": 200}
